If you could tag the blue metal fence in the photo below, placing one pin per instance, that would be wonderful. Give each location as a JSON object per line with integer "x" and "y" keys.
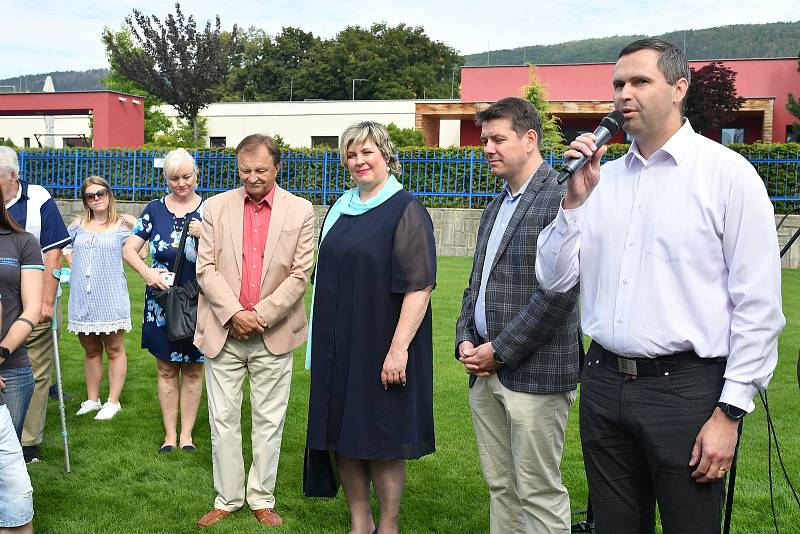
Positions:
{"x": 440, "y": 178}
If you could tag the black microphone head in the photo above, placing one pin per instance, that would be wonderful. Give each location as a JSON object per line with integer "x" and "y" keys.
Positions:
{"x": 613, "y": 121}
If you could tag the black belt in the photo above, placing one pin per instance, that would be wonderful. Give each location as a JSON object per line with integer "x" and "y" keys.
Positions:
{"x": 659, "y": 365}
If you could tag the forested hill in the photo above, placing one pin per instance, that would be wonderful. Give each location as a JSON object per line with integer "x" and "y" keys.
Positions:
{"x": 69, "y": 80}
{"x": 778, "y": 39}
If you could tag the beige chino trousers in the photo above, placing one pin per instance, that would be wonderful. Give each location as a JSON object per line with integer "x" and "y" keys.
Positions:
{"x": 270, "y": 378}
{"x": 520, "y": 439}
{"x": 41, "y": 353}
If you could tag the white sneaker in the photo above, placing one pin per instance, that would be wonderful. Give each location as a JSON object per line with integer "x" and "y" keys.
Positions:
{"x": 108, "y": 411}
{"x": 89, "y": 406}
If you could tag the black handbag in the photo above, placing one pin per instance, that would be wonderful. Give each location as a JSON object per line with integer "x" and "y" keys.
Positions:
{"x": 319, "y": 478}
{"x": 180, "y": 302}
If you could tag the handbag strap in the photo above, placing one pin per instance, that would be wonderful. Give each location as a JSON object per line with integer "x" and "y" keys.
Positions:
{"x": 182, "y": 248}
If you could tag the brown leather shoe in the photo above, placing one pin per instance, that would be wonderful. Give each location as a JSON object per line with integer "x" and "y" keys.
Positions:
{"x": 214, "y": 516}
{"x": 268, "y": 516}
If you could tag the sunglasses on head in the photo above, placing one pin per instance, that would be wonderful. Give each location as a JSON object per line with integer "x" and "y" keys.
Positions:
{"x": 99, "y": 195}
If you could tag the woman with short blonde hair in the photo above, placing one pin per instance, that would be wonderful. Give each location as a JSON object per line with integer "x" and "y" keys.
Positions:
{"x": 370, "y": 341}
{"x": 179, "y": 363}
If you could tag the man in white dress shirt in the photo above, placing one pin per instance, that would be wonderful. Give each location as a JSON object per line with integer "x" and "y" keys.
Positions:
{"x": 675, "y": 248}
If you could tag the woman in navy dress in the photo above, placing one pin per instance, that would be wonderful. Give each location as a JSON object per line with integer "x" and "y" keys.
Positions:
{"x": 161, "y": 223}
{"x": 371, "y": 348}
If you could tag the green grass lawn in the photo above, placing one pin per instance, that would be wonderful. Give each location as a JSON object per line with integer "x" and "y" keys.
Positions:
{"x": 120, "y": 485}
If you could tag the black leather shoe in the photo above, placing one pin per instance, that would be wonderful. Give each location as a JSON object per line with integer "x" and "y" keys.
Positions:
{"x": 31, "y": 454}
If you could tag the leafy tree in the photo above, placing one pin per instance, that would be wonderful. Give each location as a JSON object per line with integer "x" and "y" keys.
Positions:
{"x": 180, "y": 134}
{"x": 174, "y": 61}
{"x": 7, "y": 142}
{"x": 536, "y": 93}
{"x": 793, "y": 105}
{"x": 267, "y": 68}
{"x": 405, "y": 136}
{"x": 397, "y": 62}
{"x": 712, "y": 100}
{"x": 155, "y": 120}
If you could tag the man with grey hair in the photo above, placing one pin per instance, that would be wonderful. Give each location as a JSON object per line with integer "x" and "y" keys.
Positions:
{"x": 33, "y": 208}
{"x": 254, "y": 262}
{"x": 675, "y": 248}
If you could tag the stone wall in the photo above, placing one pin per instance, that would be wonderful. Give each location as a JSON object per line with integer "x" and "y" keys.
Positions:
{"x": 455, "y": 229}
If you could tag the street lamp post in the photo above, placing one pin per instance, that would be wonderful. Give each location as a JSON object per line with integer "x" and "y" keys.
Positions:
{"x": 354, "y": 85}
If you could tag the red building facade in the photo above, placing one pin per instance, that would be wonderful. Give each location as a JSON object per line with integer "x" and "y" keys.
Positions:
{"x": 118, "y": 118}
{"x": 581, "y": 94}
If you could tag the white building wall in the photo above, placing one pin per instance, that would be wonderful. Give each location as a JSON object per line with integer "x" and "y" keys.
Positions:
{"x": 19, "y": 128}
{"x": 298, "y": 122}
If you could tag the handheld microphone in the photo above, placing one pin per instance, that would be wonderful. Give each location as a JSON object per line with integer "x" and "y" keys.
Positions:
{"x": 610, "y": 125}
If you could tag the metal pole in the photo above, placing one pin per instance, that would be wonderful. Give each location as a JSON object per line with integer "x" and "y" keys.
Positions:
{"x": 59, "y": 387}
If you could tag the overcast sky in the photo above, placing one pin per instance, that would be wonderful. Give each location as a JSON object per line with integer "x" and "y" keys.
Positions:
{"x": 47, "y": 35}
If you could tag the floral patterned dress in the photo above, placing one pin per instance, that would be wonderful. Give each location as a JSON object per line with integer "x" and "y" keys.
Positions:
{"x": 163, "y": 230}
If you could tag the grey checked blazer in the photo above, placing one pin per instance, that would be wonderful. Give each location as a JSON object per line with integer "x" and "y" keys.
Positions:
{"x": 535, "y": 332}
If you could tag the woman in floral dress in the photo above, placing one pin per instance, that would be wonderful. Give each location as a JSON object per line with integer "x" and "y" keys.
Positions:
{"x": 180, "y": 364}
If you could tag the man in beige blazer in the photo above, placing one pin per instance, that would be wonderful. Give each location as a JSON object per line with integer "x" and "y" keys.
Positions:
{"x": 254, "y": 262}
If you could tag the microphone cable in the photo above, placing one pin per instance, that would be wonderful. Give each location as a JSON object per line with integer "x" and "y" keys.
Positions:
{"x": 772, "y": 435}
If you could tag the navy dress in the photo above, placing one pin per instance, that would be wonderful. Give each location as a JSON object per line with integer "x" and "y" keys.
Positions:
{"x": 163, "y": 230}
{"x": 365, "y": 266}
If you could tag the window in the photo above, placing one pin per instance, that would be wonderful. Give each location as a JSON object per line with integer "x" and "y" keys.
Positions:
{"x": 75, "y": 141}
{"x": 732, "y": 135}
{"x": 217, "y": 142}
{"x": 26, "y": 142}
{"x": 325, "y": 140}
{"x": 793, "y": 133}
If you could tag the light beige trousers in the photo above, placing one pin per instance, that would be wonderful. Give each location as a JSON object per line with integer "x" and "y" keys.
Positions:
{"x": 41, "y": 353}
{"x": 270, "y": 377}
{"x": 520, "y": 439}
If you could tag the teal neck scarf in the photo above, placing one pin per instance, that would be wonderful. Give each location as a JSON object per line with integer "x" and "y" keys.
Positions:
{"x": 349, "y": 203}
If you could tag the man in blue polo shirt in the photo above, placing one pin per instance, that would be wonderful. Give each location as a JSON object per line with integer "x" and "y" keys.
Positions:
{"x": 33, "y": 208}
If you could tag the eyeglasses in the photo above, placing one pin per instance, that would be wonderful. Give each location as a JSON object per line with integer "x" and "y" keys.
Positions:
{"x": 98, "y": 195}
{"x": 258, "y": 173}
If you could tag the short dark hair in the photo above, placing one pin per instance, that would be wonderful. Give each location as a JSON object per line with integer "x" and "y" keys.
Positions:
{"x": 520, "y": 112}
{"x": 671, "y": 60}
{"x": 253, "y": 141}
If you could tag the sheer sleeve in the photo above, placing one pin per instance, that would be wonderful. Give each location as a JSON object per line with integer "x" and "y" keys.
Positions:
{"x": 413, "y": 251}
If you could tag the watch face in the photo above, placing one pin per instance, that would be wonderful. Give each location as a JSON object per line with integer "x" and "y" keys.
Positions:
{"x": 732, "y": 411}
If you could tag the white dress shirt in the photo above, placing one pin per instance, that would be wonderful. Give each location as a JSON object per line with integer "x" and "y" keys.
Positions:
{"x": 674, "y": 253}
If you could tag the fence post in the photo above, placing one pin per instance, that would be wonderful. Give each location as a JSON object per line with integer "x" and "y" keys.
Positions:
{"x": 75, "y": 185}
{"x": 325, "y": 178}
{"x": 471, "y": 174}
{"x": 133, "y": 178}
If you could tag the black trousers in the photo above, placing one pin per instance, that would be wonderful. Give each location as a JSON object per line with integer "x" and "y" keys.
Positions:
{"x": 637, "y": 436}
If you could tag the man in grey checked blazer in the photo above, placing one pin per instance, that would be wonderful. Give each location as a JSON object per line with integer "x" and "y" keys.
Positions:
{"x": 519, "y": 343}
